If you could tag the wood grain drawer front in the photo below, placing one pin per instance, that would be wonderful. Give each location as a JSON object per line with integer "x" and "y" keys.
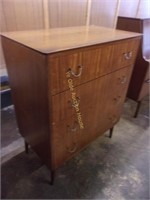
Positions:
{"x": 124, "y": 53}
{"x": 112, "y": 86}
{"x": 100, "y": 103}
{"x": 66, "y": 140}
{"x": 84, "y": 66}
{"x": 145, "y": 86}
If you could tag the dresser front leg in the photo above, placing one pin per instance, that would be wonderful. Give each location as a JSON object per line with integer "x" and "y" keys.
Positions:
{"x": 52, "y": 177}
{"x": 137, "y": 109}
{"x": 111, "y": 132}
{"x": 26, "y": 147}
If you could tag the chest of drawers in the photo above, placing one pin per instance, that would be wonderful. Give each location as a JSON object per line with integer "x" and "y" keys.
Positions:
{"x": 68, "y": 86}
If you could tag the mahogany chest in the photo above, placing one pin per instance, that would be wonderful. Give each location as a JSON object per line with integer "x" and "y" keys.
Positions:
{"x": 68, "y": 85}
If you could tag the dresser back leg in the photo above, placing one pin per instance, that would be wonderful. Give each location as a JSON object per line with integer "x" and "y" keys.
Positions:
{"x": 137, "y": 109}
{"x": 111, "y": 132}
{"x": 26, "y": 147}
{"x": 52, "y": 177}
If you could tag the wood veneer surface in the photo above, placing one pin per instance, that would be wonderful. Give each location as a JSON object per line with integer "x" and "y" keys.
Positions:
{"x": 60, "y": 39}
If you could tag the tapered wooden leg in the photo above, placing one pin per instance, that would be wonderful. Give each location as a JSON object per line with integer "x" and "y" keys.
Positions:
{"x": 52, "y": 177}
{"x": 26, "y": 147}
{"x": 137, "y": 109}
{"x": 111, "y": 132}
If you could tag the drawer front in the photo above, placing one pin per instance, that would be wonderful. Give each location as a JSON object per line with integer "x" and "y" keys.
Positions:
{"x": 125, "y": 52}
{"x": 104, "y": 87}
{"x": 86, "y": 65}
{"x": 145, "y": 86}
{"x": 100, "y": 104}
{"x": 65, "y": 141}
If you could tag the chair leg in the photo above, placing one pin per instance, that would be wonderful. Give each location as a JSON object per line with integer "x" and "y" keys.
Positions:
{"x": 52, "y": 173}
{"x": 137, "y": 109}
{"x": 111, "y": 132}
{"x": 26, "y": 147}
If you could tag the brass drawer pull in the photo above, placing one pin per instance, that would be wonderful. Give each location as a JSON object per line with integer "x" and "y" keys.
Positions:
{"x": 128, "y": 55}
{"x": 74, "y": 103}
{"x": 147, "y": 81}
{"x": 123, "y": 80}
{"x": 73, "y": 128}
{"x": 117, "y": 99}
{"x": 80, "y": 68}
{"x": 113, "y": 119}
{"x": 72, "y": 150}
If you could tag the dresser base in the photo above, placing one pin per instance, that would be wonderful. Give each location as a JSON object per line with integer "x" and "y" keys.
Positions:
{"x": 26, "y": 147}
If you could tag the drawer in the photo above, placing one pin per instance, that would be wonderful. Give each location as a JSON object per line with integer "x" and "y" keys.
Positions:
{"x": 99, "y": 112}
{"x": 145, "y": 86}
{"x": 68, "y": 138}
{"x": 112, "y": 86}
{"x": 124, "y": 53}
{"x": 65, "y": 140}
{"x": 86, "y": 65}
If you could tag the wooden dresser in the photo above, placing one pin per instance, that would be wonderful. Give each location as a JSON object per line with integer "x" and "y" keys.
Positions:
{"x": 68, "y": 86}
{"x": 139, "y": 85}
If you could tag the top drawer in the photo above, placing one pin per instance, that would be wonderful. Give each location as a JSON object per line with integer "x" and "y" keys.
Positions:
{"x": 90, "y": 63}
{"x": 125, "y": 52}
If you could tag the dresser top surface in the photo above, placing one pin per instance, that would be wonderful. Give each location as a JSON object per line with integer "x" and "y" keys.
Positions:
{"x": 60, "y": 39}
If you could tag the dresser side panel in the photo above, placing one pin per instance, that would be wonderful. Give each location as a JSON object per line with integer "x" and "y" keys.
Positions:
{"x": 27, "y": 70}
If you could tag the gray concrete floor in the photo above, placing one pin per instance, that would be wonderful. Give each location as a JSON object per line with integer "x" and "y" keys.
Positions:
{"x": 110, "y": 169}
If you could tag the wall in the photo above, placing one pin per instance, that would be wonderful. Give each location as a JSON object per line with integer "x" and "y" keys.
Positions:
{"x": 67, "y": 13}
{"x": 104, "y": 14}
{"x": 135, "y": 8}
{"x": 22, "y": 15}
{"x": 19, "y": 15}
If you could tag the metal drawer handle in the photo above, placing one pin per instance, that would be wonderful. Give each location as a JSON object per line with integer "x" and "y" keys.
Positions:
{"x": 113, "y": 119}
{"x": 147, "y": 81}
{"x": 74, "y": 104}
{"x": 123, "y": 80}
{"x": 80, "y": 68}
{"x": 128, "y": 55}
{"x": 73, "y": 128}
{"x": 116, "y": 99}
{"x": 72, "y": 150}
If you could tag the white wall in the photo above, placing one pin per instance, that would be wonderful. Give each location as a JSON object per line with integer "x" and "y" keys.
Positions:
{"x": 104, "y": 12}
{"x": 18, "y": 15}
{"x": 135, "y": 8}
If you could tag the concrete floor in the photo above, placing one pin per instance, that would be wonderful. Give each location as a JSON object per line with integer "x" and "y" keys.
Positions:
{"x": 110, "y": 169}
